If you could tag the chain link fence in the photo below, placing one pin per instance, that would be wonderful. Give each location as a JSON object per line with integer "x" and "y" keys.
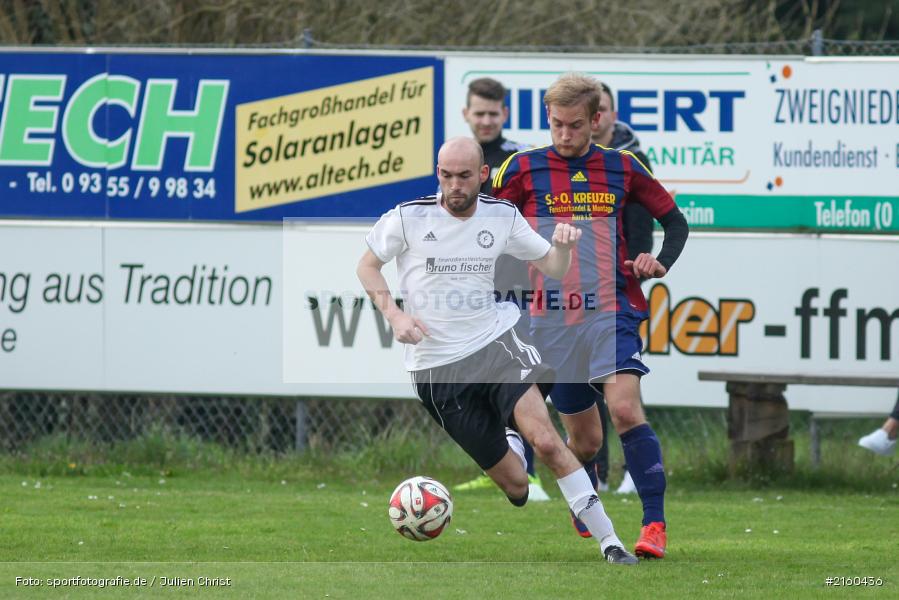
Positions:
{"x": 252, "y": 424}
{"x": 695, "y": 440}
{"x": 283, "y": 425}
{"x": 815, "y": 45}
{"x": 259, "y": 424}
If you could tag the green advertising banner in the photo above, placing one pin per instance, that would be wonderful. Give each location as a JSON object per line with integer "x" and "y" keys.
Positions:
{"x": 747, "y": 143}
{"x": 861, "y": 214}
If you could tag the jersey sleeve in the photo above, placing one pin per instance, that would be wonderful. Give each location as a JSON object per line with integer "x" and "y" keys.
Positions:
{"x": 387, "y": 239}
{"x": 507, "y": 184}
{"x": 646, "y": 189}
{"x": 638, "y": 225}
{"x": 524, "y": 243}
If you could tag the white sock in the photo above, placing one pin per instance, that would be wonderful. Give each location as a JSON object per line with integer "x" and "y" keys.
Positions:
{"x": 516, "y": 446}
{"x": 585, "y": 504}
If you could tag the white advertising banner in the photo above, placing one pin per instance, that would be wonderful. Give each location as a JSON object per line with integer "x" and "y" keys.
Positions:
{"x": 278, "y": 310}
{"x": 150, "y": 308}
{"x": 335, "y": 341}
{"x": 196, "y": 308}
{"x": 775, "y": 304}
{"x": 736, "y": 302}
{"x": 51, "y": 329}
{"x": 741, "y": 142}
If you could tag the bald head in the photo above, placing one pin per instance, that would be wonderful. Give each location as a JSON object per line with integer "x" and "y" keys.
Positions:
{"x": 461, "y": 149}
{"x": 461, "y": 171}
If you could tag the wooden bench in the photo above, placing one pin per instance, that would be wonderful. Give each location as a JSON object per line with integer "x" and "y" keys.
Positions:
{"x": 758, "y": 420}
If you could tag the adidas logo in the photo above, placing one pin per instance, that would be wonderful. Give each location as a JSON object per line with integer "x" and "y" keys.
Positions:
{"x": 525, "y": 373}
{"x": 430, "y": 237}
{"x": 656, "y": 468}
{"x": 636, "y": 356}
{"x": 579, "y": 177}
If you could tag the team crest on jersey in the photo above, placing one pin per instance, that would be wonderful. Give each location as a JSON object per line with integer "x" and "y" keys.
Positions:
{"x": 579, "y": 177}
{"x": 485, "y": 239}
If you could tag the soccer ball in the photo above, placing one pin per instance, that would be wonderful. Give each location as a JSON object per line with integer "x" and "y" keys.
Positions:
{"x": 420, "y": 508}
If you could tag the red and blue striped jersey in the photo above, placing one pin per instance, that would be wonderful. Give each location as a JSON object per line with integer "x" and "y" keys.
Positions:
{"x": 589, "y": 191}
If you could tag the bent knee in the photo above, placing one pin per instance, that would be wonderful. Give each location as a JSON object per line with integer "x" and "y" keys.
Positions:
{"x": 625, "y": 417}
{"x": 547, "y": 444}
{"x": 585, "y": 447}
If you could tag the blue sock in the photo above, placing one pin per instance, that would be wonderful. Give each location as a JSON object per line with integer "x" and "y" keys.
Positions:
{"x": 529, "y": 457}
{"x": 643, "y": 456}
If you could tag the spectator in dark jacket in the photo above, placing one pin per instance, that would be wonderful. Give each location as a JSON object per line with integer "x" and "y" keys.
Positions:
{"x": 638, "y": 225}
{"x": 485, "y": 112}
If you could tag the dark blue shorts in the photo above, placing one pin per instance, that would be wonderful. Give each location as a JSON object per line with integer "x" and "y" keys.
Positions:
{"x": 588, "y": 353}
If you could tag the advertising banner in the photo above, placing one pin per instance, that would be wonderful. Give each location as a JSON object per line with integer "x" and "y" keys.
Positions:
{"x": 215, "y": 136}
{"x": 748, "y": 143}
{"x": 769, "y": 303}
{"x": 177, "y": 308}
{"x": 772, "y": 303}
{"x": 265, "y": 309}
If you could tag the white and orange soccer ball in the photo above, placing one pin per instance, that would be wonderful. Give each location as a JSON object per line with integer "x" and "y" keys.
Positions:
{"x": 420, "y": 508}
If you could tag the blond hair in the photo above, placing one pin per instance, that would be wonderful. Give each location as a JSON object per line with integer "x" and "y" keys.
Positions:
{"x": 571, "y": 89}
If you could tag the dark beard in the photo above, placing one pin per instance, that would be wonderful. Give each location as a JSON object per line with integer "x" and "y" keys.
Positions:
{"x": 469, "y": 201}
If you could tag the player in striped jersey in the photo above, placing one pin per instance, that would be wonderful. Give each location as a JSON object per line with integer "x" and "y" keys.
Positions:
{"x": 577, "y": 182}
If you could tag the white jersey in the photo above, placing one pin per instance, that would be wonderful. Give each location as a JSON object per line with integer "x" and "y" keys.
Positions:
{"x": 446, "y": 267}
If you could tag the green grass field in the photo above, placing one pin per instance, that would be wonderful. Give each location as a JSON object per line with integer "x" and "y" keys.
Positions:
{"x": 310, "y": 535}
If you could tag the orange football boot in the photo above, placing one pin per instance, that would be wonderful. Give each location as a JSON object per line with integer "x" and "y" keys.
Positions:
{"x": 652, "y": 541}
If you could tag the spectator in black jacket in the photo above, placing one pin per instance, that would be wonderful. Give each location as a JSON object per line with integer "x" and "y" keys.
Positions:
{"x": 612, "y": 133}
{"x": 638, "y": 225}
{"x": 485, "y": 112}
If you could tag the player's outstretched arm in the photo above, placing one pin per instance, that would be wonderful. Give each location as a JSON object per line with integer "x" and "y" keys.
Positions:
{"x": 557, "y": 261}
{"x": 406, "y": 329}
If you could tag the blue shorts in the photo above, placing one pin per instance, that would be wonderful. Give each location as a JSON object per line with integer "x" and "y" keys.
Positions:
{"x": 588, "y": 353}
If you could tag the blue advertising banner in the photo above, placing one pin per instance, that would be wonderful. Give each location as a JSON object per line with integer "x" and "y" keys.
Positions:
{"x": 215, "y": 136}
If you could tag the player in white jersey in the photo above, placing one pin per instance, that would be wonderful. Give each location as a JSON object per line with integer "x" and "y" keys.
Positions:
{"x": 478, "y": 376}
